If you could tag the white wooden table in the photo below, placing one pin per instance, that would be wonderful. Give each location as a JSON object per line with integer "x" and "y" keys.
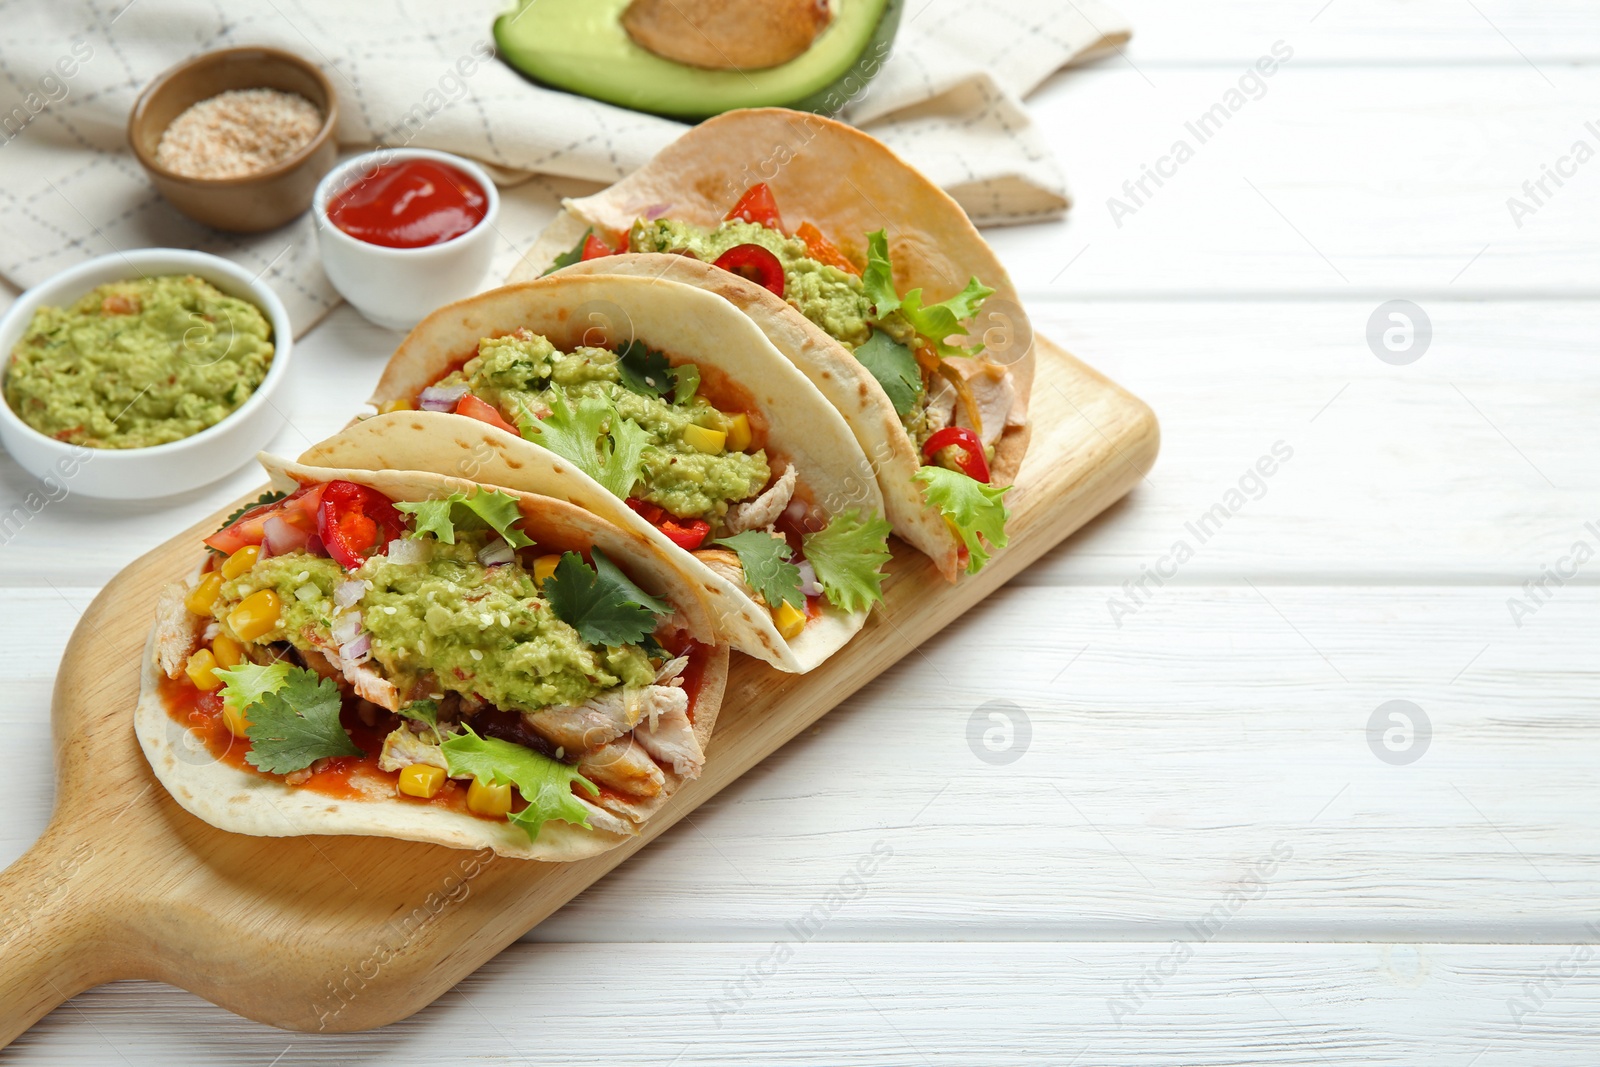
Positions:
{"x": 1199, "y": 858}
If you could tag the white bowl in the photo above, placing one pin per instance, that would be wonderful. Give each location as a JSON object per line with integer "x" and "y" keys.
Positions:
{"x": 398, "y": 287}
{"x": 160, "y": 470}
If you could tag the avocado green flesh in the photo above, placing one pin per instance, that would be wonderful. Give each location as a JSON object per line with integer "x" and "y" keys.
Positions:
{"x": 580, "y": 46}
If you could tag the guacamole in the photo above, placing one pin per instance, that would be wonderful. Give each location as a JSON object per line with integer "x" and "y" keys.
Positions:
{"x": 138, "y": 363}
{"x": 829, "y": 297}
{"x": 447, "y": 624}
{"x": 523, "y": 375}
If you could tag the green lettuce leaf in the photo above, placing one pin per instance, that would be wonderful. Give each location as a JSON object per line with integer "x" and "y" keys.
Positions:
{"x": 595, "y": 438}
{"x": 246, "y": 683}
{"x": 895, "y": 368}
{"x": 571, "y": 255}
{"x": 483, "y": 509}
{"x": 686, "y": 379}
{"x": 972, "y": 507}
{"x": 848, "y": 555}
{"x": 939, "y": 321}
{"x": 767, "y": 569}
{"x": 546, "y": 784}
{"x": 877, "y": 281}
{"x": 600, "y": 602}
{"x": 296, "y": 724}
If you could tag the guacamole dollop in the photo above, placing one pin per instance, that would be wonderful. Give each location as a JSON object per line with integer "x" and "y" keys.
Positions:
{"x": 831, "y": 298}
{"x": 138, "y": 363}
{"x": 521, "y": 374}
{"x": 447, "y": 624}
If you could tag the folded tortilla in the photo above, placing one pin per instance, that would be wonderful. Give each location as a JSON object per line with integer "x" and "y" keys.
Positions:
{"x": 803, "y": 432}
{"x": 240, "y": 799}
{"x": 847, "y": 184}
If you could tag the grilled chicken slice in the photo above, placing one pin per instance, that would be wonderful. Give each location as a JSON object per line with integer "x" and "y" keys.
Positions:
{"x": 402, "y": 748}
{"x": 177, "y": 630}
{"x": 672, "y": 740}
{"x": 764, "y": 510}
{"x": 625, "y": 767}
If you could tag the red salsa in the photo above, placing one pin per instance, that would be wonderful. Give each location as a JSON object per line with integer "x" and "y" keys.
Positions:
{"x": 410, "y": 204}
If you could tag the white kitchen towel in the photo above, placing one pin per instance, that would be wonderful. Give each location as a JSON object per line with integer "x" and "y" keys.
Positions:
{"x": 421, "y": 72}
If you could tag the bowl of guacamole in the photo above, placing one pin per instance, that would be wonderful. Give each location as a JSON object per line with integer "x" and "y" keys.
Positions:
{"x": 142, "y": 375}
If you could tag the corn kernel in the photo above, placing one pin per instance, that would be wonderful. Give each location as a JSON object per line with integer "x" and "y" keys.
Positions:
{"x": 234, "y": 720}
{"x": 489, "y": 799}
{"x": 229, "y": 652}
{"x": 738, "y": 432}
{"x": 240, "y": 561}
{"x": 394, "y": 405}
{"x": 204, "y": 596}
{"x": 544, "y": 567}
{"x": 422, "y": 780}
{"x": 703, "y": 440}
{"x": 201, "y": 669}
{"x": 790, "y": 620}
{"x": 257, "y": 614}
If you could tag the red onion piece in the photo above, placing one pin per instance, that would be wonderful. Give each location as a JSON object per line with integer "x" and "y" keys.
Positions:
{"x": 496, "y": 553}
{"x": 348, "y": 595}
{"x": 346, "y": 628}
{"x": 356, "y": 651}
{"x": 441, "y": 397}
{"x": 404, "y": 550}
{"x": 808, "y": 579}
{"x": 279, "y": 537}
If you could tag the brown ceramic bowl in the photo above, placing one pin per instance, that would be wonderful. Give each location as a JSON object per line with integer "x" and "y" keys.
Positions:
{"x": 253, "y": 202}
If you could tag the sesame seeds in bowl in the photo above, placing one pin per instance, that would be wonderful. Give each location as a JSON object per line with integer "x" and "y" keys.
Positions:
{"x": 237, "y": 133}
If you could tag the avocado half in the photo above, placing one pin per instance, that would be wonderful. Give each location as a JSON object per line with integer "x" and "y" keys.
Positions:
{"x": 580, "y": 46}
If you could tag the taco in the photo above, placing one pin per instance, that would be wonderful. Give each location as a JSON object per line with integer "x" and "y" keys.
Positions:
{"x": 660, "y": 408}
{"x": 406, "y": 655}
{"x": 880, "y": 295}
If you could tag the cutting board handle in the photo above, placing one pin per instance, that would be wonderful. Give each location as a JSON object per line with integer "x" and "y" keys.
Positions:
{"x": 55, "y": 905}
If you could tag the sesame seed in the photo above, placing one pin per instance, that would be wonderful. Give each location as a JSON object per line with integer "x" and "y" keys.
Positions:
{"x": 476, "y": 654}
{"x": 390, "y": 610}
{"x": 239, "y": 132}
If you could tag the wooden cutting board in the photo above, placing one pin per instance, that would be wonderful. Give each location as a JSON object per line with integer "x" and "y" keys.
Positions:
{"x": 348, "y": 933}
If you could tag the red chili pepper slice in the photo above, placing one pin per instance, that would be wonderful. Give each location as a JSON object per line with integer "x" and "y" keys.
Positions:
{"x": 653, "y": 514}
{"x": 594, "y": 248}
{"x": 972, "y": 461}
{"x": 483, "y": 411}
{"x": 356, "y": 522}
{"x": 686, "y": 535}
{"x": 823, "y": 250}
{"x": 757, "y": 205}
{"x": 755, "y": 264}
{"x": 299, "y": 510}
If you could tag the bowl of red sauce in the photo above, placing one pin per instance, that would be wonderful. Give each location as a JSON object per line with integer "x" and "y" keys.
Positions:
{"x": 403, "y": 231}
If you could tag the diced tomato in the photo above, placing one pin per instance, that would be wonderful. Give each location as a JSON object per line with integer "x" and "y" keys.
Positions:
{"x": 757, "y": 205}
{"x": 299, "y": 510}
{"x": 483, "y": 411}
{"x": 756, "y": 264}
{"x": 686, "y": 535}
{"x": 594, "y": 248}
{"x": 356, "y": 522}
{"x": 823, "y": 250}
{"x": 652, "y": 513}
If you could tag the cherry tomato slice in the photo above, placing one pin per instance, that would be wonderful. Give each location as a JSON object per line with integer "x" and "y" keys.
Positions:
{"x": 299, "y": 509}
{"x": 823, "y": 250}
{"x": 757, "y": 205}
{"x": 972, "y": 462}
{"x": 754, "y": 263}
{"x": 594, "y": 248}
{"x": 483, "y": 411}
{"x": 686, "y": 535}
{"x": 356, "y": 522}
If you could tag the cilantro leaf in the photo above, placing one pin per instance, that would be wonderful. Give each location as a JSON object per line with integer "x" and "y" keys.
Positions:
{"x": 895, "y": 368}
{"x": 877, "y": 281}
{"x": 644, "y": 370}
{"x": 938, "y": 321}
{"x": 848, "y": 555}
{"x": 596, "y": 438}
{"x": 294, "y": 726}
{"x": 246, "y": 683}
{"x": 600, "y": 602}
{"x": 767, "y": 566}
{"x": 972, "y": 507}
{"x": 571, "y": 255}
{"x": 271, "y": 496}
{"x": 546, "y": 784}
{"x": 484, "y": 509}
{"x": 427, "y": 713}
{"x": 686, "y": 382}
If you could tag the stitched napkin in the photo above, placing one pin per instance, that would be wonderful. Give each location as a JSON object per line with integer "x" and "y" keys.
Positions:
{"x": 415, "y": 72}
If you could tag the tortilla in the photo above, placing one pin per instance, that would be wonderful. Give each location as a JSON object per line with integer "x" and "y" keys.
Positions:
{"x": 803, "y": 430}
{"x": 847, "y": 184}
{"x": 246, "y": 801}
